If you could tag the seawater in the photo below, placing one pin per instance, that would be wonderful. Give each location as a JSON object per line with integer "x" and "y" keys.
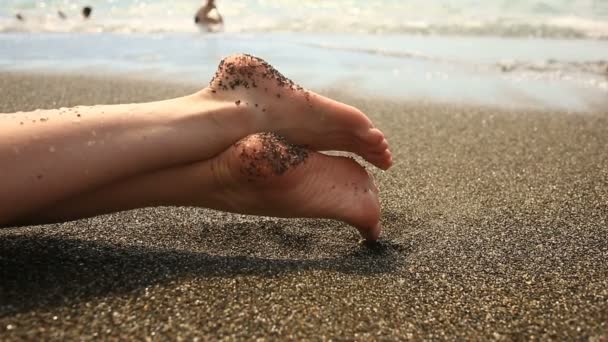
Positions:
{"x": 521, "y": 18}
{"x": 547, "y": 54}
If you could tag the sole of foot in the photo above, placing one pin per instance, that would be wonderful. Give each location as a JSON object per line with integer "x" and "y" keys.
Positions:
{"x": 264, "y": 175}
{"x": 300, "y": 115}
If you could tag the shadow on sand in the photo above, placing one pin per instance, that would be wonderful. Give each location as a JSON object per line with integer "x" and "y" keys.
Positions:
{"x": 40, "y": 272}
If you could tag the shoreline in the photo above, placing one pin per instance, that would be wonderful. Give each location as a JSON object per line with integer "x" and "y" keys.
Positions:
{"x": 494, "y": 228}
{"x": 180, "y": 87}
{"x": 500, "y": 72}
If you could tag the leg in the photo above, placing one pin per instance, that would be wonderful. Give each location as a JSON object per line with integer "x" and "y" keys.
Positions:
{"x": 52, "y": 155}
{"x": 260, "y": 175}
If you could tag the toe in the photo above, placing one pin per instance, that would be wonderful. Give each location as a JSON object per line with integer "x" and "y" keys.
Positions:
{"x": 372, "y": 137}
{"x": 382, "y": 160}
{"x": 370, "y": 233}
{"x": 378, "y": 148}
{"x": 383, "y": 145}
{"x": 387, "y": 160}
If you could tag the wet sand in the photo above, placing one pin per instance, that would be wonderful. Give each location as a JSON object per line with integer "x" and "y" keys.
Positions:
{"x": 495, "y": 227}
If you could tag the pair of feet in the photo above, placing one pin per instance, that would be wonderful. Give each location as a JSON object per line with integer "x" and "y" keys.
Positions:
{"x": 278, "y": 173}
{"x": 266, "y": 174}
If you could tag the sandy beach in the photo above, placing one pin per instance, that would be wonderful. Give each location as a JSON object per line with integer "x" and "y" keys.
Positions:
{"x": 495, "y": 227}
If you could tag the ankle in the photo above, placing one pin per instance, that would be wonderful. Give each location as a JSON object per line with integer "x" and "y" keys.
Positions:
{"x": 230, "y": 116}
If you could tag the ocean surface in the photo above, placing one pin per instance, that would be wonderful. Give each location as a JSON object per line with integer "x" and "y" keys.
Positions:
{"x": 547, "y": 54}
{"x": 520, "y": 18}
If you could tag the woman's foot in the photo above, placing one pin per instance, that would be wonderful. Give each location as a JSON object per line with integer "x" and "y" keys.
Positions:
{"x": 264, "y": 175}
{"x": 301, "y": 116}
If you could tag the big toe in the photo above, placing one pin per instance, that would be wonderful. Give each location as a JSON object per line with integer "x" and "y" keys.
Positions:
{"x": 353, "y": 195}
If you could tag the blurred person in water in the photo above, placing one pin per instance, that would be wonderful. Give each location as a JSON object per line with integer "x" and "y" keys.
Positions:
{"x": 208, "y": 16}
{"x": 86, "y": 13}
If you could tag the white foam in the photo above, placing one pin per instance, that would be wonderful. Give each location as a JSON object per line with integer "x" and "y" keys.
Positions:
{"x": 548, "y": 18}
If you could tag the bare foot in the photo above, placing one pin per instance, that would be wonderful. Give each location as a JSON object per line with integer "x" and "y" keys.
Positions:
{"x": 264, "y": 175}
{"x": 300, "y": 115}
